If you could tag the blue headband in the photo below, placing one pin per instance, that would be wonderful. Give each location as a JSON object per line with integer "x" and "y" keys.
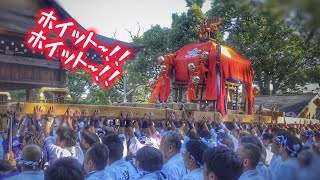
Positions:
{"x": 307, "y": 133}
{"x": 280, "y": 139}
{"x": 30, "y": 163}
{"x": 295, "y": 150}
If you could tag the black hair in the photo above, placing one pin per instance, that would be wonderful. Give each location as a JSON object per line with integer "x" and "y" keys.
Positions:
{"x": 90, "y": 137}
{"x": 174, "y": 138}
{"x": 115, "y": 146}
{"x": 275, "y": 130}
{"x": 267, "y": 136}
{"x": 220, "y": 160}
{"x": 33, "y": 138}
{"x": 193, "y": 135}
{"x": 69, "y": 135}
{"x": 282, "y": 133}
{"x": 150, "y": 159}
{"x": 252, "y": 152}
{"x": 293, "y": 130}
{"x": 252, "y": 139}
{"x": 99, "y": 154}
{"x": 223, "y": 138}
{"x": 5, "y": 166}
{"x": 66, "y": 168}
{"x": 293, "y": 145}
{"x": 196, "y": 149}
{"x": 205, "y": 134}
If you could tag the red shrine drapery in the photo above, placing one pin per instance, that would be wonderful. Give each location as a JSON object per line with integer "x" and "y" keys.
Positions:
{"x": 231, "y": 65}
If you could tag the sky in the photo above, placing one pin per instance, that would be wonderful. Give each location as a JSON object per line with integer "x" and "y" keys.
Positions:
{"x": 113, "y": 17}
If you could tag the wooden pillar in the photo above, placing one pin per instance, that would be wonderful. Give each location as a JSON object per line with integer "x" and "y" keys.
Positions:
{"x": 30, "y": 97}
{"x": 237, "y": 95}
{"x": 62, "y": 78}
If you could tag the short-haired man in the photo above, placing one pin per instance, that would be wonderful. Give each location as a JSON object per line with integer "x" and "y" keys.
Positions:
{"x": 250, "y": 155}
{"x": 88, "y": 139}
{"x": 65, "y": 145}
{"x": 65, "y": 168}
{"x": 95, "y": 162}
{"x": 31, "y": 163}
{"x": 217, "y": 164}
{"x": 117, "y": 168}
{"x": 170, "y": 146}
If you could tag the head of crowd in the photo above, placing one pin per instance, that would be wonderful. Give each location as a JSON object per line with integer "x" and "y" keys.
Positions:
{"x": 79, "y": 146}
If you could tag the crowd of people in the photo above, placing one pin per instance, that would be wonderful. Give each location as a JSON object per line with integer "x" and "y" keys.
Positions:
{"x": 77, "y": 146}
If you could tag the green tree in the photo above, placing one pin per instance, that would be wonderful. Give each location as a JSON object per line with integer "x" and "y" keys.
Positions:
{"x": 190, "y": 3}
{"x": 185, "y": 28}
{"x": 144, "y": 65}
{"x": 254, "y": 31}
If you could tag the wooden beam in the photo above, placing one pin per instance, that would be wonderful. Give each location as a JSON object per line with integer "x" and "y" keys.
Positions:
{"x": 229, "y": 117}
{"x": 105, "y": 111}
{"x": 30, "y": 61}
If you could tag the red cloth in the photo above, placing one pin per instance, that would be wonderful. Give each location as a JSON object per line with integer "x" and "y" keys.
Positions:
{"x": 201, "y": 68}
{"x": 192, "y": 92}
{"x": 166, "y": 89}
{"x": 188, "y": 54}
{"x": 237, "y": 68}
{"x": 158, "y": 85}
{"x": 211, "y": 86}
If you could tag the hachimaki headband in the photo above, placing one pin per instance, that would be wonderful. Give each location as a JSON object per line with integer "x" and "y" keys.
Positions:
{"x": 32, "y": 164}
{"x": 184, "y": 150}
{"x": 307, "y": 134}
{"x": 209, "y": 142}
{"x": 221, "y": 143}
{"x": 284, "y": 141}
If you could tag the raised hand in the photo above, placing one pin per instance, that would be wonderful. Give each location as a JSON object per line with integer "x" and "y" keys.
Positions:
{"x": 51, "y": 112}
{"x": 96, "y": 115}
{"x": 152, "y": 116}
{"x": 37, "y": 112}
{"x": 85, "y": 114}
{"x": 123, "y": 115}
{"x": 77, "y": 114}
{"x": 130, "y": 115}
{"x": 69, "y": 113}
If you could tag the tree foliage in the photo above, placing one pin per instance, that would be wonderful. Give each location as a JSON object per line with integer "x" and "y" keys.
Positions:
{"x": 255, "y": 31}
{"x": 190, "y": 3}
{"x": 287, "y": 46}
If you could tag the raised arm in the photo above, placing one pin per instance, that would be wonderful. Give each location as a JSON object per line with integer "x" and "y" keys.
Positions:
{"x": 49, "y": 120}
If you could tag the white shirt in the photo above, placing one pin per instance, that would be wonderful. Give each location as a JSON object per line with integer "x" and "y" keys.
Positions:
{"x": 269, "y": 154}
{"x": 149, "y": 176}
{"x": 251, "y": 175}
{"x": 124, "y": 142}
{"x": 263, "y": 171}
{"x": 121, "y": 170}
{"x": 174, "y": 169}
{"x": 136, "y": 145}
{"x": 289, "y": 170}
{"x": 196, "y": 174}
{"x": 275, "y": 164}
{"x": 56, "y": 152}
